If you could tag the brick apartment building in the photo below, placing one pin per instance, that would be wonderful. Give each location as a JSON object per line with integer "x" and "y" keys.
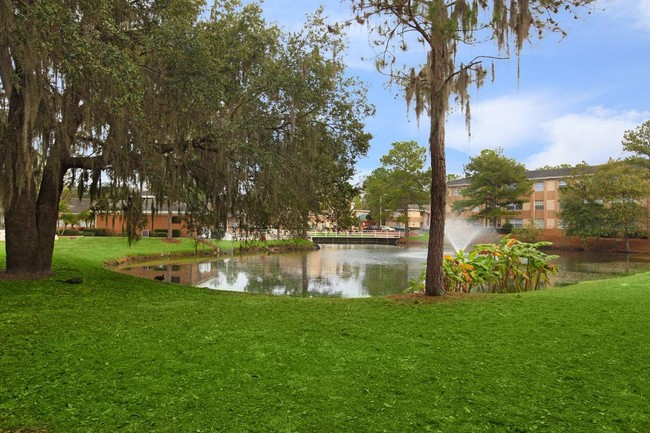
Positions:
{"x": 541, "y": 208}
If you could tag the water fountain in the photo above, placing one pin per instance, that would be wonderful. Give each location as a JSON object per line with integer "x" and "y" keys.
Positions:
{"x": 461, "y": 235}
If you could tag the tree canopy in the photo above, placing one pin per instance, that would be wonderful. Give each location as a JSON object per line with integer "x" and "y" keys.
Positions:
{"x": 402, "y": 180}
{"x": 495, "y": 181}
{"x": 605, "y": 202}
{"x": 637, "y": 141}
{"x": 229, "y": 115}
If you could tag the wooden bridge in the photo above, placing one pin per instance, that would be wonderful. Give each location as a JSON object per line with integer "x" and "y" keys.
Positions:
{"x": 377, "y": 237}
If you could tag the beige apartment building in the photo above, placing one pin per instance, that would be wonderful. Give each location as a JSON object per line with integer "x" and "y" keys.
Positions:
{"x": 541, "y": 208}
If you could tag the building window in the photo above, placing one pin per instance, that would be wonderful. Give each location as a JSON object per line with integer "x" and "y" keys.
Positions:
{"x": 539, "y": 186}
{"x": 517, "y": 223}
{"x": 539, "y": 223}
{"x": 560, "y": 224}
{"x": 176, "y": 220}
{"x": 539, "y": 204}
{"x": 457, "y": 192}
{"x": 490, "y": 223}
{"x": 561, "y": 183}
{"x": 513, "y": 206}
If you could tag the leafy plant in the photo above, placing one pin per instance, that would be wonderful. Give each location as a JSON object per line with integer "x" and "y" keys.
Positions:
{"x": 417, "y": 284}
{"x": 507, "y": 266}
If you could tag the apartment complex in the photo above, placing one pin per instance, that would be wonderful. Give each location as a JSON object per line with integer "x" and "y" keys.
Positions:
{"x": 539, "y": 210}
{"x": 418, "y": 217}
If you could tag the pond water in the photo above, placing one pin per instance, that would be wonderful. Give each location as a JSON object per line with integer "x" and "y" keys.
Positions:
{"x": 350, "y": 270}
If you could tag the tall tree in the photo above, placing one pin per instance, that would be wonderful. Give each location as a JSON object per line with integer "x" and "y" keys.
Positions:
{"x": 402, "y": 180}
{"x": 581, "y": 207}
{"x": 495, "y": 181}
{"x": 67, "y": 68}
{"x": 443, "y": 28}
{"x": 606, "y": 202}
{"x": 637, "y": 141}
{"x": 623, "y": 188}
{"x": 229, "y": 115}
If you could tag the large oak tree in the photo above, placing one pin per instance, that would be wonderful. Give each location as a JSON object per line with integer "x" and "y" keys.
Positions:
{"x": 229, "y": 115}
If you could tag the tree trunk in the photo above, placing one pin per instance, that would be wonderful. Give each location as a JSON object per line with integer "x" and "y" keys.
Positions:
{"x": 31, "y": 225}
{"x": 406, "y": 224}
{"x": 435, "y": 276}
{"x": 170, "y": 216}
{"x": 30, "y": 214}
{"x": 438, "y": 65}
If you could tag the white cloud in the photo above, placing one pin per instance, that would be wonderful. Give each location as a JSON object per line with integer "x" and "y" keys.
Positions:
{"x": 643, "y": 16}
{"x": 551, "y": 129}
{"x": 506, "y": 122}
{"x": 629, "y": 12}
{"x": 592, "y": 136}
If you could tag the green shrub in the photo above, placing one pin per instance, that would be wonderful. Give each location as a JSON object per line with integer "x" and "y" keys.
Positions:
{"x": 103, "y": 232}
{"x": 89, "y": 231}
{"x": 505, "y": 228}
{"x": 162, "y": 233}
{"x": 507, "y": 266}
{"x": 71, "y": 232}
{"x": 527, "y": 234}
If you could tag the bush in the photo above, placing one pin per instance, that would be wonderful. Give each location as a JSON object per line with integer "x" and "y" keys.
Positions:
{"x": 508, "y": 266}
{"x": 640, "y": 234}
{"x": 103, "y": 232}
{"x": 505, "y": 229}
{"x": 162, "y": 233}
{"x": 71, "y": 232}
{"x": 97, "y": 232}
{"x": 527, "y": 234}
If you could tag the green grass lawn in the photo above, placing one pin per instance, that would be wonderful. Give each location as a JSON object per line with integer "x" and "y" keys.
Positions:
{"x": 121, "y": 354}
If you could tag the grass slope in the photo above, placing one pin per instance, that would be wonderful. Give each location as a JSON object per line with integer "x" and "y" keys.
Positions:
{"x": 120, "y": 354}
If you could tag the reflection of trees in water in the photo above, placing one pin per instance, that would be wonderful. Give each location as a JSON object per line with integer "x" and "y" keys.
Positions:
{"x": 329, "y": 273}
{"x": 298, "y": 275}
{"x": 382, "y": 280}
{"x": 267, "y": 275}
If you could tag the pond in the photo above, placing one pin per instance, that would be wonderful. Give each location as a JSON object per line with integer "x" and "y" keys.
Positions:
{"x": 350, "y": 270}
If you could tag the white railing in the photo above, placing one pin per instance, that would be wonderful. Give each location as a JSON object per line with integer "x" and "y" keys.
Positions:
{"x": 384, "y": 234}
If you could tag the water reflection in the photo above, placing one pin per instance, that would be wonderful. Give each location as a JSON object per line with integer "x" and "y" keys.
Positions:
{"x": 581, "y": 266}
{"x": 351, "y": 270}
{"x": 334, "y": 270}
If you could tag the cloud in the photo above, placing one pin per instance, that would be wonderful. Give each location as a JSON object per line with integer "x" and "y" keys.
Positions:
{"x": 507, "y": 122}
{"x": 545, "y": 129}
{"x": 630, "y": 12}
{"x": 592, "y": 136}
{"x": 643, "y": 16}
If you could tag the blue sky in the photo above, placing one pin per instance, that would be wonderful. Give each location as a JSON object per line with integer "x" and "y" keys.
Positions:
{"x": 573, "y": 101}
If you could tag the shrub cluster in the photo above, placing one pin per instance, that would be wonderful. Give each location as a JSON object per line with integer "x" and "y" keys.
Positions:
{"x": 162, "y": 233}
{"x": 506, "y": 266}
{"x": 97, "y": 232}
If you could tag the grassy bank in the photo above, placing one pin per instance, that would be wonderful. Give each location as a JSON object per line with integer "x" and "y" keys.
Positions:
{"x": 120, "y": 354}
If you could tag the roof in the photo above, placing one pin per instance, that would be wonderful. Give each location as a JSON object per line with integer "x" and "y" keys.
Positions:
{"x": 553, "y": 173}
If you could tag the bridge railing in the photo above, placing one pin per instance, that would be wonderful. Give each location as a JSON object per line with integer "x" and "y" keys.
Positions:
{"x": 357, "y": 234}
